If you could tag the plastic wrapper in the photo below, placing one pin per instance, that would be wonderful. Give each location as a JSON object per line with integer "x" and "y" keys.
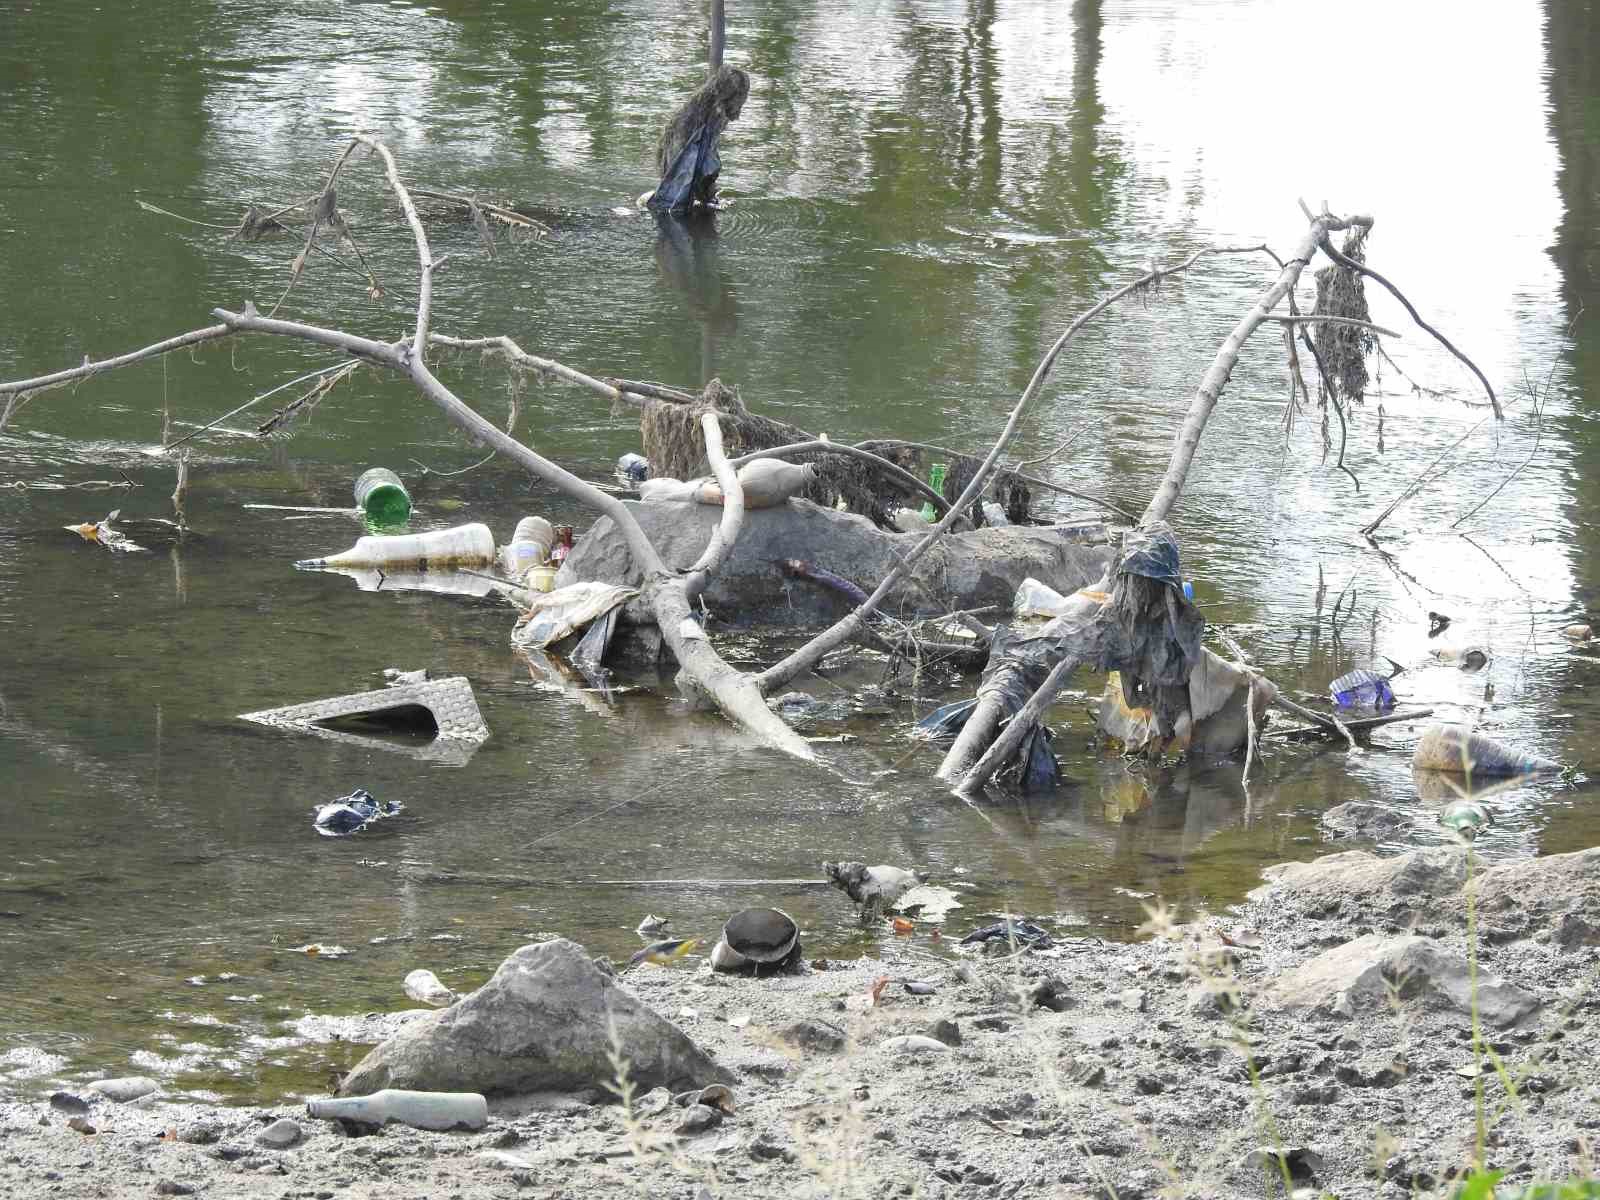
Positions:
{"x": 558, "y": 614}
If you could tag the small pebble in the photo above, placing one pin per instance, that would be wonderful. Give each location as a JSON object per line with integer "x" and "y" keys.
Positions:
{"x": 171, "y": 1187}
{"x": 698, "y": 1119}
{"x": 280, "y": 1135}
{"x": 68, "y": 1103}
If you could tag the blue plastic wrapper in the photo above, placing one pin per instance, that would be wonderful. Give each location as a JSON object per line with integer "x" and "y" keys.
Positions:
{"x": 946, "y": 722}
{"x": 1362, "y": 689}
{"x": 1152, "y": 553}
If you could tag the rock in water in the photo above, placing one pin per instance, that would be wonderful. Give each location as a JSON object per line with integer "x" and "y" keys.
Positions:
{"x": 882, "y": 884}
{"x": 424, "y": 987}
{"x": 541, "y": 1024}
{"x": 130, "y": 1087}
{"x": 1456, "y": 749}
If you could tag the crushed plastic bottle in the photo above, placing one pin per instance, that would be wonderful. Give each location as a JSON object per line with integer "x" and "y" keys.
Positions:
{"x": 634, "y": 467}
{"x": 1362, "y": 689}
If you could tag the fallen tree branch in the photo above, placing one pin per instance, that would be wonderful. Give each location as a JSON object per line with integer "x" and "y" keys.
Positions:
{"x": 988, "y": 713}
{"x": 727, "y": 530}
{"x": 1351, "y": 264}
{"x": 830, "y": 639}
{"x": 55, "y": 379}
{"x": 1216, "y": 378}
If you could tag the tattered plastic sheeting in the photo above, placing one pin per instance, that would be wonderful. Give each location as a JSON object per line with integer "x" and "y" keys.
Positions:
{"x": 1033, "y": 768}
{"x": 552, "y": 616}
{"x": 693, "y": 174}
{"x": 1215, "y": 723}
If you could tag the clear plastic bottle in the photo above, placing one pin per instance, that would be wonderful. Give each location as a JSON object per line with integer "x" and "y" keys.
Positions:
{"x": 424, "y": 1110}
{"x": 383, "y": 498}
{"x": 460, "y": 546}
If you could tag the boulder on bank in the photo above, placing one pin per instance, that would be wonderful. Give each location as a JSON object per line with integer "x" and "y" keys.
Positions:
{"x": 1558, "y": 895}
{"x": 1359, "y": 885}
{"x": 1372, "y": 970}
{"x": 969, "y": 569}
{"x": 1555, "y": 897}
{"x": 543, "y": 1023}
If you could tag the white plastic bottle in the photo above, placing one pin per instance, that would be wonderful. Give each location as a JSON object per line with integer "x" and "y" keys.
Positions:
{"x": 461, "y": 546}
{"x": 424, "y": 1110}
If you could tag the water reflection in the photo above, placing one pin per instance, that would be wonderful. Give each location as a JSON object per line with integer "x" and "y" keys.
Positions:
{"x": 925, "y": 195}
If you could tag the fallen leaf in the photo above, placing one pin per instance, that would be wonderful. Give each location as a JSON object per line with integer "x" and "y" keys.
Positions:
{"x": 876, "y": 991}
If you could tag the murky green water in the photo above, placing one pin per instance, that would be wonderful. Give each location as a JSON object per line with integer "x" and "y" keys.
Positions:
{"x": 925, "y": 195}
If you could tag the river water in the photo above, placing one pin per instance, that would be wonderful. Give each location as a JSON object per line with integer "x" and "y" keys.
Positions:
{"x": 923, "y": 196}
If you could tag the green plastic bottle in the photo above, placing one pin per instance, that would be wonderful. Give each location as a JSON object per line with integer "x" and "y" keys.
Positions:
{"x": 936, "y": 482}
{"x": 382, "y": 498}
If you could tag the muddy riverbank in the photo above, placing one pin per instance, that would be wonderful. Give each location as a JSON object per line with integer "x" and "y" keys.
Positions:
{"x": 1330, "y": 1015}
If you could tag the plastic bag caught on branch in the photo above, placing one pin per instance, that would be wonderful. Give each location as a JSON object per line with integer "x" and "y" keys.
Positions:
{"x": 1145, "y": 630}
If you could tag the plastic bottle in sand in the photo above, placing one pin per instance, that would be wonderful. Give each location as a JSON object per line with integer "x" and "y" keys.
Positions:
{"x": 424, "y": 1110}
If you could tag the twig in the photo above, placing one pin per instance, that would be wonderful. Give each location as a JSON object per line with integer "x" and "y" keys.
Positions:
{"x": 1031, "y": 480}
{"x": 341, "y": 366}
{"x": 55, "y": 379}
{"x": 427, "y": 470}
{"x": 1538, "y": 436}
{"x": 1411, "y": 489}
{"x": 1324, "y": 720}
{"x": 1187, "y": 440}
{"x": 1296, "y": 319}
{"x": 1360, "y": 725}
{"x": 656, "y": 391}
{"x": 1352, "y": 265}
{"x": 812, "y": 652}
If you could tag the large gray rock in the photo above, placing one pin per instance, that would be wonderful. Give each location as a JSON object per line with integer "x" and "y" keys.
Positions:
{"x": 1373, "y": 970}
{"x": 965, "y": 570}
{"x": 1556, "y": 896}
{"x": 542, "y": 1023}
{"x": 1362, "y": 886}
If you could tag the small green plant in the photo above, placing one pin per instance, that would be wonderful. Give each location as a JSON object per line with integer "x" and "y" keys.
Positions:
{"x": 1480, "y": 1185}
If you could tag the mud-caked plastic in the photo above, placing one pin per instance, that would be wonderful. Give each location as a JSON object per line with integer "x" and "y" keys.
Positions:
{"x": 422, "y": 1110}
{"x": 529, "y": 547}
{"x": 382, "y": 497}
{"x": 460, "y": 546}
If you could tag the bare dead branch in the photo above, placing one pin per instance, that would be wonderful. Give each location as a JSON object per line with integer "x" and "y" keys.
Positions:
{"x": 830, "y": 639}
{"x": 1351, "y": 264}
{"x": 727, "y": 530}
{"x": 55, "y": 379}
{"x": 1215, "y": 379}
